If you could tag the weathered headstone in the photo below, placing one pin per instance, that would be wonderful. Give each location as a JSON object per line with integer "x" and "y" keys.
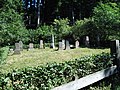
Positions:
{"x": 41, "y": 44}
{"x": 67, "y": 46}
{"x": 77, "y": 44}
{"x": 21, "y": 45}
{"x": 87, "y": 41}
{"x": 60, "y": 46}
{"x": 63, "y": 44}
{"x": 17, "y": 48}
{"x": 31, "y": 46}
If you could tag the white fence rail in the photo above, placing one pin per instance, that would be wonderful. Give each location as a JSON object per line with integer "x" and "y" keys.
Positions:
{"x": 88, "y": 80}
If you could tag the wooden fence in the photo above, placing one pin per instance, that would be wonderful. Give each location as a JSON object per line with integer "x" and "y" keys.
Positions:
{"x": 95, "y": 77}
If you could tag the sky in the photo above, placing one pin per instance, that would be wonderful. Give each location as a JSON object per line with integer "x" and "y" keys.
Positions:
{"x": 32, "y": 3}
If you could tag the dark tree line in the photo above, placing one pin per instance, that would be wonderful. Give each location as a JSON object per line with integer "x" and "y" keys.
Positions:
{"x": 45, "y": 11}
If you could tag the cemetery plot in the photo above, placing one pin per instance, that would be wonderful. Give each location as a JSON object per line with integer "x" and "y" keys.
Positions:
{"x": 38, "y": 57}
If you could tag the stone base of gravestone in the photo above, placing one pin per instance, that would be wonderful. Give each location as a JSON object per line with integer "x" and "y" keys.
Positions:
{"x": 11, "y": 50}
{"x": 21, "y": 45}
{"x": 76, "y": 44}
{"x": 31, "y": 46}
{"x": 41, "y": 44}
{"x": 67, "y": 45}
{"x": 17, "y": 48}
{"x": 60, "y": 46}
{"x": 63, "y": 44}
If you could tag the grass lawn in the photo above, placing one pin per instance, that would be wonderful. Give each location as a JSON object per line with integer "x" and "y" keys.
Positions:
{"x": 39, "y": 57}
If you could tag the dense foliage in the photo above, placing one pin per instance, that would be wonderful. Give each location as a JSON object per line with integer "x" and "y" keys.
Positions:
{"x": 11, "y": 24}
{"x": 106, "y": 18}
{"x": 62, "y": 28}
{"x": 51, "y": 75}
{"x": 3, "y": 54}
{"x": 102, "y": 26}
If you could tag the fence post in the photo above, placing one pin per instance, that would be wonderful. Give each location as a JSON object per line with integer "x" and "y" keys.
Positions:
{"x": 115, "y": 52}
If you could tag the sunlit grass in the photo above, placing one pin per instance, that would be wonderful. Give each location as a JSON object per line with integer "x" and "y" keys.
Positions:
{"x": 39, "y": 57}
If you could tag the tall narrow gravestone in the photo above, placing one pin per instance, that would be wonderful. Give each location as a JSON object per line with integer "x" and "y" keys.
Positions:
{"x": 60, "y": 46}
{"x": 31, "y": 46}
{"x": 63, "y": 44}
{"x": 41, "y": 44}
{"x": 87, "y": 41}
{"x": 67, "y": 47}
{"x": 17, "y": 48}
{"x": 77, "y": 44}
{"x": 21, "y": 45}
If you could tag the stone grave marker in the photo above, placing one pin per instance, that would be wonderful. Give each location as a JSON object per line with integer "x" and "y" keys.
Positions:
{"x": 67, "y": 47}
{"x": 77, "y": 44}
{"x": 41, "y": 44}
{"x": 31, "y": 46}
{"x": 63, "y": 44}
{"x": 60, "y": 46}
{"x": 17, "y": 48}
{"x": 21, "y": 45}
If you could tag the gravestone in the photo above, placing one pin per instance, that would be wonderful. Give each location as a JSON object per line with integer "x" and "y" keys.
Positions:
{"x": 17, "y": 48}
{"x": 63, "y": 44}
{"x": 21, "y": 45}
{"x": 31, "y": 46}
{"x": 41, "y": 44}
{"x": 87, "y": 41}
{"x": 77, "y": 44}
{"x": 67, "y": 46}
{"x": 60, "y": 46}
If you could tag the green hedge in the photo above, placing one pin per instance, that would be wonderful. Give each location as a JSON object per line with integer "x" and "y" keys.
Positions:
{"x": 52, "y": 75}
{"x": 3, "y": 54}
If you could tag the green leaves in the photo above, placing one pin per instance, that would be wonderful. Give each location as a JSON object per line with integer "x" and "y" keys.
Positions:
{"x": 55, "y": 74}
{"x": 107, "y": 19}
{"x": 62, "y": 28}
{"x": 3, "y": 54}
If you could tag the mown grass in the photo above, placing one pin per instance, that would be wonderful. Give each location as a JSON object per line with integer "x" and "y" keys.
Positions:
{"x": 39, "y": 57}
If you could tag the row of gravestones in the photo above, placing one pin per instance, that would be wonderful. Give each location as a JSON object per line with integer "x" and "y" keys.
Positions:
{"x": 19, "y": 47}
{"x": 63, "y": 45}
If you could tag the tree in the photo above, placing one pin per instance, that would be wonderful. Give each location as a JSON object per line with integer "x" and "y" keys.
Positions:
{"x": 62, "y": 28}
{"x": 80, "y": 28}
{"x": 107, "y": 20}
{"x": 11, "y": 24}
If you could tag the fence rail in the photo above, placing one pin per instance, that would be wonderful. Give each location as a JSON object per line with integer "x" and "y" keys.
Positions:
{"x": 88, "y": 80}
{"x": 95, "y": 77}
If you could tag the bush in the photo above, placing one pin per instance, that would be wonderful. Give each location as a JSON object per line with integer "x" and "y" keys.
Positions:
{"x": 3, "y": 54}
{"x": 51, "y": 75}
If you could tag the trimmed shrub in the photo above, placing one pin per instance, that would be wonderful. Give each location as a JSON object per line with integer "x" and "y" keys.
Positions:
{"x": 52, "y": 75}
